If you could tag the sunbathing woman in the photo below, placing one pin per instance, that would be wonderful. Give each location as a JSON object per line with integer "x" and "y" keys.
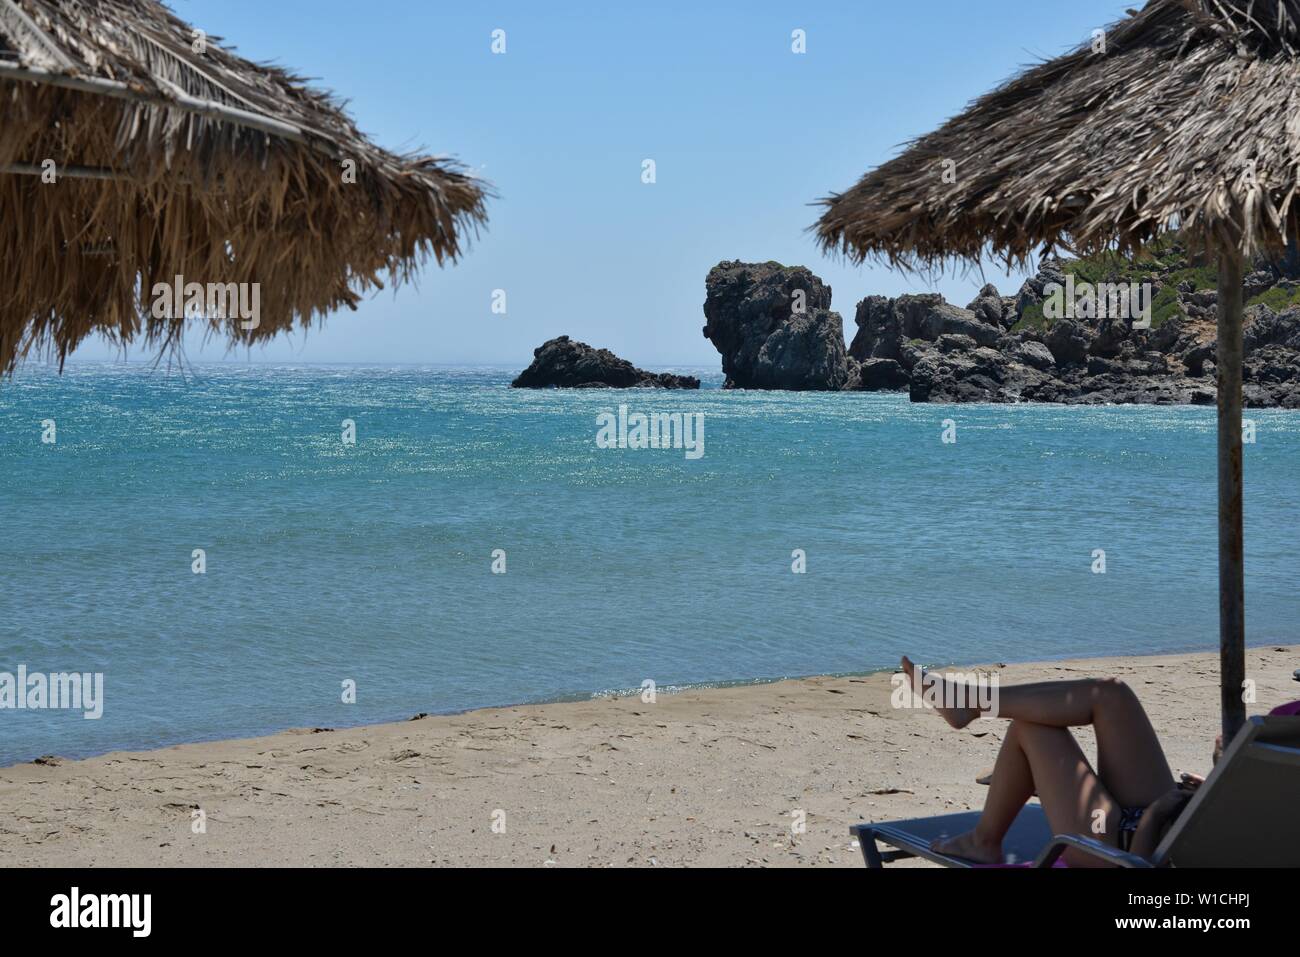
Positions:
{"x": 1129, "y": 801}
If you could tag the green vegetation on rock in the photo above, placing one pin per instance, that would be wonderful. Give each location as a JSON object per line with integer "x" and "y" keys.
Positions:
{"x": 1166, "y": 307}
{"x": 1163, "y": 262}
{"x": 1032, "y": 318}
{"x": 1279, "y": 299}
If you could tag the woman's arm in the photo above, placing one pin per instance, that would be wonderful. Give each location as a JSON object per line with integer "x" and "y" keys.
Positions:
{"x": 1156, "y": 819}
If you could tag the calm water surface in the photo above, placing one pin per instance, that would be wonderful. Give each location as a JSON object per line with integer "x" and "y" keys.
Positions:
{"x": 372, "y": 562}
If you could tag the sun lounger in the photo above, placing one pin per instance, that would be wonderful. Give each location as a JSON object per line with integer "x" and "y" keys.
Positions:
{"x": 1246, "y": 814}
{"x": 1028, "y": 836}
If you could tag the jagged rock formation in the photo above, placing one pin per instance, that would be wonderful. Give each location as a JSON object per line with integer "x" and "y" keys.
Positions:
{"x": 774, "y": 328}
{"x": 1011, "y": 349}
{"x": 566, "y": 364}
{"x": 1055, "y": 341}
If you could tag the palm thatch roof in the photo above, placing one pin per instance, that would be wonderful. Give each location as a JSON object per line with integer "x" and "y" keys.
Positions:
{"x": 176, "y": 157}
{"x": 1187, "y": 117}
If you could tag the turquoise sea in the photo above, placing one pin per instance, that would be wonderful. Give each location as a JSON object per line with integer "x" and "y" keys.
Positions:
{"x": 373, "y": 563}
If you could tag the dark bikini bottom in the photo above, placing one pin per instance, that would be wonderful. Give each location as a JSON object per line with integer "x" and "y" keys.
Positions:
{"x": 1129, "y": 819}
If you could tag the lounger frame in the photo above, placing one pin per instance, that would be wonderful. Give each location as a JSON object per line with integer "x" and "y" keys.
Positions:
{"x": 1262, "y": 742}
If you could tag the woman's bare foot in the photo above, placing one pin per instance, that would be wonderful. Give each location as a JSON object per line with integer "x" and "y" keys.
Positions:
{"x": 969, "y": 846}
{"x": 945, "y": 691}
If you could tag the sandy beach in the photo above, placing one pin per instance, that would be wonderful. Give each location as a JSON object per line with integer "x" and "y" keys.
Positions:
{"x": 706, "y": 777}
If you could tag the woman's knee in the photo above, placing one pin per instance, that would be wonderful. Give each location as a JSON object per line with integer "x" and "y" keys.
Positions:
{"x": 1015, "y": 728}
{"x": 1020, "y": 730}
{"x": 1113, "y": 691}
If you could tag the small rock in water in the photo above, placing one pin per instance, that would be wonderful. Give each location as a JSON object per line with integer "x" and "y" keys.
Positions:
{"x": 564, "y": 363}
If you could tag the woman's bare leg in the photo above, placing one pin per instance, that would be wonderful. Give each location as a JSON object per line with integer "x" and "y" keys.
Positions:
{"x": 1073, "y": 797}
{"x": 1011, "y": 785}
{"x": 1129, "y": 757}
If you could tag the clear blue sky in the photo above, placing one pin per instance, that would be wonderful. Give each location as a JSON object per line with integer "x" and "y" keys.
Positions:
{"x": 745, "y": 135}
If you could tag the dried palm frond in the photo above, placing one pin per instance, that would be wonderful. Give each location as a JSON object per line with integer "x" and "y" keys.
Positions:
{"x": 172, "y": 156}
{"x": 1186, "y": 117}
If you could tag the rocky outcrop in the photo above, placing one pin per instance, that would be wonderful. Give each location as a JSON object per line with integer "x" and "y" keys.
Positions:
{"x": 1069, "y": 343}
{"x": 773, "y": 326}
{"x": 880, "y": 375}
{"x": 993, "y": 309}
{"x": 775, "y": 329}
{"x": 993, "y": 352}
{"x": 884, "y": 324}
{"x": 565, "y": 364}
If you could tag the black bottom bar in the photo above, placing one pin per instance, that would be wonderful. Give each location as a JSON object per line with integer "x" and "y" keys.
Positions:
{"x": 330, "y": 907}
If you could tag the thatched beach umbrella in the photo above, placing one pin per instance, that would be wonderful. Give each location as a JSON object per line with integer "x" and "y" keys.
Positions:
{"x": 135, "y": 150}
{"x": 1184, "y": 116}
